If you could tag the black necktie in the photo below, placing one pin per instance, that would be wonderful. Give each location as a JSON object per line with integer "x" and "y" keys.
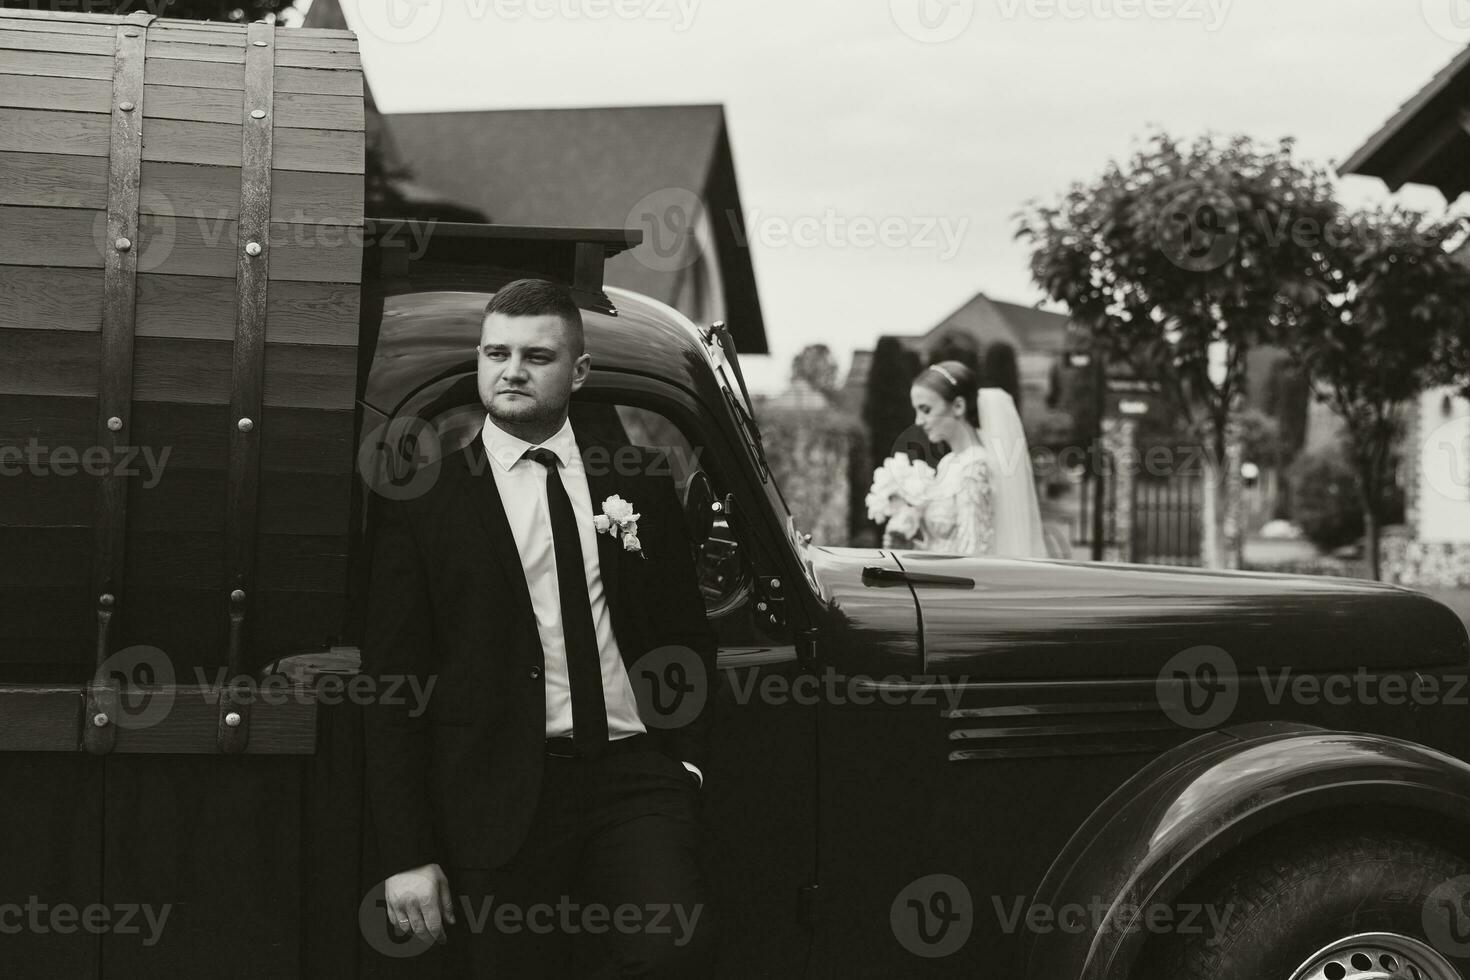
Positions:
{"x": 584, "y": 663}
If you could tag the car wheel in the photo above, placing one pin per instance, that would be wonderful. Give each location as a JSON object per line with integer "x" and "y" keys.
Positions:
{"x": 1364, "y": 905}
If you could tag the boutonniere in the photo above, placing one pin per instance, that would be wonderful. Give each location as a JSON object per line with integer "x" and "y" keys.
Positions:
{"x": 617, "y": 519}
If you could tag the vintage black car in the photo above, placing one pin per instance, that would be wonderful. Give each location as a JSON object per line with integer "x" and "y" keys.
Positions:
{"x": 949, "y": 766}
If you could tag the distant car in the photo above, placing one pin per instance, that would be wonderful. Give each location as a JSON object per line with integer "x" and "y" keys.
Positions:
{"x": 1281, "y": 530}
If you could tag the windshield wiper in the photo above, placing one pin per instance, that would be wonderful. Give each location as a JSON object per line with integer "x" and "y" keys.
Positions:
{"x": 719, "y": 333}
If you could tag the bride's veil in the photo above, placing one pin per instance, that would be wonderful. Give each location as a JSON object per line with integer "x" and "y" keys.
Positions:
{"x": 1017, "y": 513}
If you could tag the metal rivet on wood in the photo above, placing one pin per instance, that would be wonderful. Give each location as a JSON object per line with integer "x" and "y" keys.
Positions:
{"x": 123, "y": 244}
{"x": 233, "y": 719}
{"x": 114, "y": 424}
{"x": 258, "y": 44}
{"x": 257, "y": 114}
{"x": 100, "y": 719}
{"x": 238, "y": 595}
{"x": 106, "y": 599}
{"x": 252, "y": 248}
{"x": 245, "y": 425}
{"x": 126, "y": 106}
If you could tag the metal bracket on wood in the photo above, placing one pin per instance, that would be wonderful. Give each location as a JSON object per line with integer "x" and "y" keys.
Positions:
{"x": 247, "y": 376}
{"x": 103, "y": 693}
{"x": 233, "y": 730}
{"x": 120, "y": 249}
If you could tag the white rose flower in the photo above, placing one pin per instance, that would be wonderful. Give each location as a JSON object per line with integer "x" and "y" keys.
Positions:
{"x": 602, "y": 522}
{"x": 631, "y": 543}
{"x": 618, "y": 509}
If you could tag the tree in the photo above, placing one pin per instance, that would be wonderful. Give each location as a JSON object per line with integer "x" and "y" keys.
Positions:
{"x": 235, "y": 11}
{"x": 1287, "y": 398}
{"x": 1001, "y": 370}
{"x": 1177, "y": 264}
{"x": 1369, "y": 346}
{"x": 956, "y": 347}
{"x": 886, "y": 412}
{"x": 1450, "y": 362}
{"x": 817, "y": 367}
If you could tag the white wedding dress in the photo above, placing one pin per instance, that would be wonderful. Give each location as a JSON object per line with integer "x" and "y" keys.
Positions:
{"x": 957, "y": 519}
{"x": 983, "y": 500}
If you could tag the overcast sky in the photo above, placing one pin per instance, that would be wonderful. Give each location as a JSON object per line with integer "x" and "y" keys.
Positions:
{"x": 936, "y": 118}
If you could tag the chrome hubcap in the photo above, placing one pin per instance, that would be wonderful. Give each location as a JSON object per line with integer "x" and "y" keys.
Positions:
{"x": 1377, "y": 956}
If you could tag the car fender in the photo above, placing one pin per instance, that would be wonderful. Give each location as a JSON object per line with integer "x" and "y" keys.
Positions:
{"x": 1178, "y": 815}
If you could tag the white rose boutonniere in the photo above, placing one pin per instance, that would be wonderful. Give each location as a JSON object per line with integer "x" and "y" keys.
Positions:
{"x": 619, "y": 520}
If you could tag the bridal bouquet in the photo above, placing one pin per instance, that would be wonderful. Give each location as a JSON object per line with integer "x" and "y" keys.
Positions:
{"x": 901, "y": 488}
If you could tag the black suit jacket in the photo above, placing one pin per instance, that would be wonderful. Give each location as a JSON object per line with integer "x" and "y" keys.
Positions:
{"x": 458, "y": 784}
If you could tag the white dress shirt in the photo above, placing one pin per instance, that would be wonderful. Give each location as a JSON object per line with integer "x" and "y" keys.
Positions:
{"x": 522, "y": 486}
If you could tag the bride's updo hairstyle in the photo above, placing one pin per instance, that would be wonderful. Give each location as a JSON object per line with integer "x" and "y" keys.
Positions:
{"x": 951, "y": 380}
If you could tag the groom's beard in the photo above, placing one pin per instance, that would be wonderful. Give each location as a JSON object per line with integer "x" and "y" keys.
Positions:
{"x": 524, "y": 409}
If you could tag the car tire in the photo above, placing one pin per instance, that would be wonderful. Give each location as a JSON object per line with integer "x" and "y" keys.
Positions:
{"x": 1323, "y": 905}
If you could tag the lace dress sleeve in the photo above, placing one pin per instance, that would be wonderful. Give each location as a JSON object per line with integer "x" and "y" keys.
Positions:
{"x": 974, "y": 532}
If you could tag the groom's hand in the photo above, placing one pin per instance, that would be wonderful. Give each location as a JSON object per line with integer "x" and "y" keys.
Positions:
{"x": 419, "y": 901}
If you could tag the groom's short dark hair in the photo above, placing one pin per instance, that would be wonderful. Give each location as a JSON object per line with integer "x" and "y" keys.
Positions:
{"x": 538, "y": 297}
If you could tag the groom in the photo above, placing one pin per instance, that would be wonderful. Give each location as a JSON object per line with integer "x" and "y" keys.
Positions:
{"x": 535, "y": 819}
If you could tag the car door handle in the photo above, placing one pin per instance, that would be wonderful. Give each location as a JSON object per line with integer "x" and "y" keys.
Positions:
{"x": 877, "y": 575}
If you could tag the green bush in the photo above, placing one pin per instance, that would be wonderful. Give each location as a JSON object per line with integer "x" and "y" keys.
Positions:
{"x": 1325, "y": 498}
{"x": 1325, "y": 502}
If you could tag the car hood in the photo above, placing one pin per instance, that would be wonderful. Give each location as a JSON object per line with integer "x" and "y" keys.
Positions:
{"x": 1029, "y": 619}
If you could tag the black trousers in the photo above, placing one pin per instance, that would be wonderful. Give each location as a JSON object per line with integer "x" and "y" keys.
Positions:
{"x": 608, "y": 884}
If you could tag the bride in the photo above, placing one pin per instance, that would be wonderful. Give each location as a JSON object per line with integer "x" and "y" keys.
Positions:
{"x": 983, "y": 501}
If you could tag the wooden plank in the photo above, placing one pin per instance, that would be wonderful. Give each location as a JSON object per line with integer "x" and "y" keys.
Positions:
{"x": 16, "y": 20}
{"x": 43, "y": 362}
{"x": 191, "y": 245}
{"x": 207, "y": 74}
{"x": 160, "y": 46}
{"x": 189, "y": 307}
{"x": 308, "y": 110}
{"x": 207, "y": 194}
{"x": 66, "y": 94}
{"x": 56, "y": 63}
{"x": 53, "y": 633}
{"x": 33, "y": 298}
{"x": 45, "y": 557}
{"x": 60, "y": 556}
{"x": 61, "y": 794}
{"x": 33, "y": 131}
{"x": 218, "y": 144}
{"x": 46, "y": 419}
{"x": 53, "y": 180}
{"x": 197, "y": 372}
{"x": 14, "y": 40}
{"x": 167, "y": 46}
{"x": 282, "y": 721}
{"x": 319, "y": 81}
{"x": 303, "y": 58}
{"x": 188, "y": 500}
{"x": 39, "y": 718}
{"x": 295, "y": 440}
{"x": 287, "y": 562}
{"x": 56, "y": 20}
{"x": 69, "y": 237}
{"x": 294, "y": 110}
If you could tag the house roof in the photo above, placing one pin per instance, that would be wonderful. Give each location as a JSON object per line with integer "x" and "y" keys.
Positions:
{"x": 1425, "y": 141}
{"x": 597, "y": 167}
{"x": 1026, "y": 328}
